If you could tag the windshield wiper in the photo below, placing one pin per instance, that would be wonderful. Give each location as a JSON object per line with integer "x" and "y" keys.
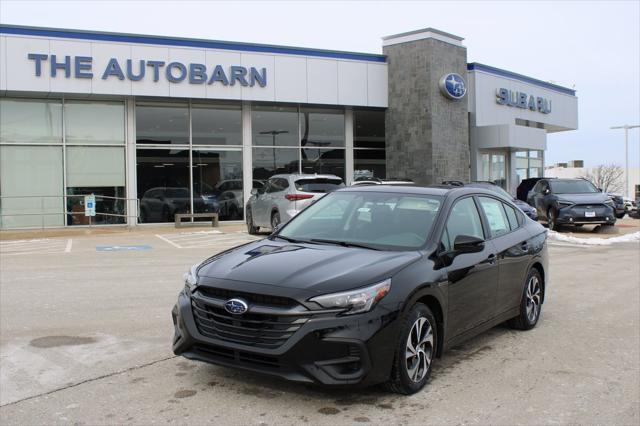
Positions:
{"x": 290, "y": 240}
{"x": 343, "y": 243}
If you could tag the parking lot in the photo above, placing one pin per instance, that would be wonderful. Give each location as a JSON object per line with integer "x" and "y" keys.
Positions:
{"x": 86, "y": 330}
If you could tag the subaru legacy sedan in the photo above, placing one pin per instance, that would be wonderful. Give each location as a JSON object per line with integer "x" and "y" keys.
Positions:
{"x": 367, "y": 285}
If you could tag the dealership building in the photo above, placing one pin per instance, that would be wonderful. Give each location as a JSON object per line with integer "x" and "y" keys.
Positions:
{"x": 154, "y": 126}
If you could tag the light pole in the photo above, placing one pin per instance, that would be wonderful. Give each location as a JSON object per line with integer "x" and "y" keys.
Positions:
{"x": 626, "y": 128}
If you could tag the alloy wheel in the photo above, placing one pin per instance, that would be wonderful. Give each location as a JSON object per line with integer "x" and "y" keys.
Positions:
{"x": 533, "y": 299}
{"x": 419, "y": 349}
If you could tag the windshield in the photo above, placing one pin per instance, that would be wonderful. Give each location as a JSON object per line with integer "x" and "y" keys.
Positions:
{"x": 377, "y": 219}
{"x": 572, "y": 187}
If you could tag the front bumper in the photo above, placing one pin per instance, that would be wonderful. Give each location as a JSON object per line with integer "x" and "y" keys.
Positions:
{"x": 327, "y": 349}
{"x": 577, "y": 215}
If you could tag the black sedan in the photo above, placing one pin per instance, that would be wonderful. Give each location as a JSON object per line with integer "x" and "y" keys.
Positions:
{"x": 368, "y": 285}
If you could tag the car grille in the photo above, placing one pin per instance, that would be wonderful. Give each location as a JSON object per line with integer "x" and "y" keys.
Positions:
{"x": 252, "y": 298}
{"x": 263, "y": 326}
{"x": 599, "y": 209}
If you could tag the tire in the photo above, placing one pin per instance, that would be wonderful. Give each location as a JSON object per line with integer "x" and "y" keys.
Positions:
{"x": 531, "y": 303}
{"x": 620, "y": 215}
{"x": 552, "y": 217}
{"x": 275, "y": 220}
{"x": 404, "y": 378}
{"x": 251, "y": 229}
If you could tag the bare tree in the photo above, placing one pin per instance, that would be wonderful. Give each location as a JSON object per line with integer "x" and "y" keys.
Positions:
{"x": 608, "y": 177}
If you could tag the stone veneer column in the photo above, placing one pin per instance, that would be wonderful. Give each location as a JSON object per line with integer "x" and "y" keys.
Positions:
{"x": 427, "y": 134}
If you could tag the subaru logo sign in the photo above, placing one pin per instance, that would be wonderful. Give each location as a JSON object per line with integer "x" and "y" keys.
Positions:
{"x": 453, "y": 86}
{"x": 236, "y": 306}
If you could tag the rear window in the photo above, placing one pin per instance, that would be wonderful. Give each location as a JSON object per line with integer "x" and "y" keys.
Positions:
{"x": 318, "y": 185}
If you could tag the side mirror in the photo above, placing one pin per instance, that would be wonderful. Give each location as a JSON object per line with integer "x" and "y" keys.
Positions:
{"x": 468, "y": 244}
{"x": 254, "y": 191}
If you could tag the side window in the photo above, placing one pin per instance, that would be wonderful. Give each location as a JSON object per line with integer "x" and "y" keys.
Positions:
{"x": 496, "y": 216}
{"x": 544, "y": 186}
{"x": 268, "y": 187}
{"x": 464, "y": 219}
{"x": 512, "y": 216}
{"x": 278, "y": 185}
{"x": 537, "y": 188}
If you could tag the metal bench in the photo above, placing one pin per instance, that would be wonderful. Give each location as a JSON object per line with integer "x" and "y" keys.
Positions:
{"x": 180, "y": 216}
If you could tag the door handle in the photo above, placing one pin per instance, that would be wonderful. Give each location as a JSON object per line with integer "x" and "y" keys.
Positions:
{"x": 491, "y": 259}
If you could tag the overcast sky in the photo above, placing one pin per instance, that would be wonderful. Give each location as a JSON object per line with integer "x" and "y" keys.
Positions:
{"x": 593, "y": 47}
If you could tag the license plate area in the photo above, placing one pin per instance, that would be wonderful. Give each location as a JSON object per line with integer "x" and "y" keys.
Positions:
{"x": 589, "y": 214}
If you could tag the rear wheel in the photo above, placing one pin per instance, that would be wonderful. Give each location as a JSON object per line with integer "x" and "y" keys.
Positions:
{"x": 620, "y": 215}
{"x": 251, "y": 229}
{"x": 415, "y": 351}
{"x": 531, "y": 303}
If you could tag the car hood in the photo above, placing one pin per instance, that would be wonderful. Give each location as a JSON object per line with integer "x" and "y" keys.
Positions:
{"x": 594, "y": 198}
{"x": 270, "y": 267}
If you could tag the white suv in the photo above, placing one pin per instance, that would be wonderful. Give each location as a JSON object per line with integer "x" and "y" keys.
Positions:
{"x": 284, "y": 196}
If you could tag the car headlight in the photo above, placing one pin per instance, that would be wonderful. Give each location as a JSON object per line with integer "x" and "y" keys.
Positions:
{"x": 191, "y": 278}
{"x": 356, "y": 301}
{"x": 564, "y": 203}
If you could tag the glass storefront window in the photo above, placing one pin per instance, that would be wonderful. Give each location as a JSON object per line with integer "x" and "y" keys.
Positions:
{"x": 323, "y": 161}
{"x": 163, "y": 184}
{"x": 99, "y": 171}
{"x": 216, "y": 125}
{"x": 529, "y": 164}
{"x": 271, "y": 161}
{"x": 162, "y": 124}
{"x": 368, "y": 129}
{"x": 88, "y": 122}
{"x": 274, "y": 125}
{"x": 31, "y": 186}
{"x": 321, "y": 128}
{"x": 30, "y": 121}
{"x": 217, "y": 183}
{"x": 494, "y": 169}
{"x": 369, "y": 163}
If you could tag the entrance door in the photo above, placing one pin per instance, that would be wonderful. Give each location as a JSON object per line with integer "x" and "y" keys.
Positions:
{"x": 494, "y": 168}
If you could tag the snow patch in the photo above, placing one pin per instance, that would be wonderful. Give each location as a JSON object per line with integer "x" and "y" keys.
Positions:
{"x": 628, "y": 238}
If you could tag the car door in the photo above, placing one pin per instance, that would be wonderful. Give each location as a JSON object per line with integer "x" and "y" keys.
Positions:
{"x": 512, "y": 245}
{"x": 472, "y": 277}
{"x": 260, "y": 205}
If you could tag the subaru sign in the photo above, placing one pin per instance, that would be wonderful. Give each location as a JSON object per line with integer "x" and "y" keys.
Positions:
{"x": 522, "y": 100}
{"x": 453, "y": 86}
{"x": 139, "y": 69}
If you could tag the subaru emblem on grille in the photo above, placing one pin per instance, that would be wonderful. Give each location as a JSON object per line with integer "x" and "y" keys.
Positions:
{"x": 236, "y": 306}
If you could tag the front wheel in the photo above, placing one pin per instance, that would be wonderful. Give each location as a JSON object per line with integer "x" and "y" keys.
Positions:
{"x": 531, "y": 303}
{"x": 251, "y": 228}
{"x": 620, "y": 215}
{"x": 415, "y": 351}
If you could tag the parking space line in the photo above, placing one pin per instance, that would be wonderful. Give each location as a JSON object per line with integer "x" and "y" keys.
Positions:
{"x": 168, "y": 241}
{"x": 67, "y": 249}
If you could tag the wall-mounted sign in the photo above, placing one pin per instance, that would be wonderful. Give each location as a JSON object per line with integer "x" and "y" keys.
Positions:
{"x": 453, "y": 86}
{"x": 89, "y": 205}
{"x": 522, "y": 100}
{"x": 139, "y": 69}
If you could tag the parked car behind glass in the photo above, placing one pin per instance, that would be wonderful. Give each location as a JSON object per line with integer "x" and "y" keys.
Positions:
{"x": 367, "y": 285}
{"x": 284, "y": 196}
{"x": 571, "y": 202}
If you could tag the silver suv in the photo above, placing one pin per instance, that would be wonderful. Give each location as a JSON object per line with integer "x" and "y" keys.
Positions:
{"x": 284, "y": 196}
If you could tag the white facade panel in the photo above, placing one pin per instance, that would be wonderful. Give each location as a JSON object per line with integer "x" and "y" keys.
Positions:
{"x": 102, "y": 54}
{"x": 147, "y": 86}
{"x": 21, "y": 69}
{"x": 217, "y": 90}
{"x": 184, "y": 57}
{"x": 322, "y": 81}
{"x": 352, "y": 87}
{"x": 510, "y": 136}
{"x": 290, "y": 79}
{"x": 70, "y": 84}
{"x": 564, "y": 107}
{"x": 257, "y": 93}
{"x": 3, "y": 64}
{"x": 377, "y": 85}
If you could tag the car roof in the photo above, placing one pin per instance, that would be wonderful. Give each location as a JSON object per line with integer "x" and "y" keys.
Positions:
{"x": 441, "y": 190}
